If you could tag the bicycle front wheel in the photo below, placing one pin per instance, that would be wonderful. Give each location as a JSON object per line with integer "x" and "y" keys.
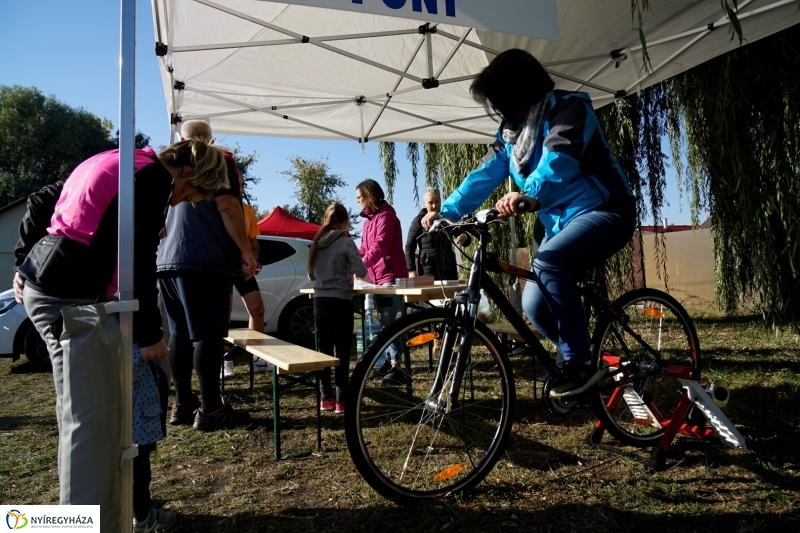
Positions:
{"x": 649, "y": 343}
{"x": 410, "y": 442}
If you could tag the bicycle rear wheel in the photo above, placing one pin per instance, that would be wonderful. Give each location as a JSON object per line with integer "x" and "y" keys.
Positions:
{"x": 406, "y": 448}
{"x": 636, "y": 400}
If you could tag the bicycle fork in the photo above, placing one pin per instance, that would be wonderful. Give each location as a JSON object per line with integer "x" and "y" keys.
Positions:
{"x": 446, "y": 387}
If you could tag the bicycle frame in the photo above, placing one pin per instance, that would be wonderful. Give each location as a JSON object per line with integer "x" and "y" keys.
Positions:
{"x": 464, "y": 318}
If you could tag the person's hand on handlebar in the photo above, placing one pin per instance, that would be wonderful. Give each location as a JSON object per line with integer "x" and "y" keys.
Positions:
{"x": 428, "y": 219}
{"x": 508, "y": 205}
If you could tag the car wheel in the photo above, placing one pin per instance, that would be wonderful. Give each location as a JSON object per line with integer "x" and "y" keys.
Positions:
{"x": 296, "y": 324}
{"x": 35, "y": 349}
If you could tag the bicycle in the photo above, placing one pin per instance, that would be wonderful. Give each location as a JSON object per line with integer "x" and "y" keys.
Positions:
{"x": 445, "y": 425}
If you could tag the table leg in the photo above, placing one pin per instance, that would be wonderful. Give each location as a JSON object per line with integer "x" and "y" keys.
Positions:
{"x": 319, "y": 417}
{"x": 252, "y": 372}
{"x": 276, "y": 413}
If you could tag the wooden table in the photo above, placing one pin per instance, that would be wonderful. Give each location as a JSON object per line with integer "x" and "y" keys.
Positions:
{"x": 409, "y": 294}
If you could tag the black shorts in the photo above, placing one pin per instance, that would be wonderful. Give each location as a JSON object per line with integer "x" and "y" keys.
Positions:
{"x": 197, "y": 304}
{"x": 244, "y": 286}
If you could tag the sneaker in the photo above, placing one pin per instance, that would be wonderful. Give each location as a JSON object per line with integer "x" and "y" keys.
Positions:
{"x": 578, "y": 377}
{"x": 384, "y": 369}
{"x": 227, "y": 369}
{"x": 327, "y": 405}
{"x": 339, "y": 408}
{"x": 259, "y": 365}
{"x": 223, "y": 418}
{"x": 184, "y": 416}
{"x": 394, "y": 378}
{"x": 157, "y": 520}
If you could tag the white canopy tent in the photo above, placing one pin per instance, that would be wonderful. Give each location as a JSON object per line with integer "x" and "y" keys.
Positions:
{"x": 255, "y": 67}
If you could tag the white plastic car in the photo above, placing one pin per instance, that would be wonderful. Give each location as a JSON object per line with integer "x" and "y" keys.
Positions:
{"x": 18, "y": 336}
{"x": 288, "y": 314}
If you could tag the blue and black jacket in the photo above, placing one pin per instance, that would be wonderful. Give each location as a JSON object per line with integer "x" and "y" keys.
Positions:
{"x": 576, "y": 172}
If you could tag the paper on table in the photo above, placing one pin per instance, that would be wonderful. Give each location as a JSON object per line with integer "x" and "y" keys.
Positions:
{"x": 359, "y": 284}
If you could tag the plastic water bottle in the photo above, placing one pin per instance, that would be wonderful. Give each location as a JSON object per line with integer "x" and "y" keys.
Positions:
{"x": 371, "y": 324}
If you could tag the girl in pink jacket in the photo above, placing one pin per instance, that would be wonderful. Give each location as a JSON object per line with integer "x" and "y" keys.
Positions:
{"x": 382, "y": 253}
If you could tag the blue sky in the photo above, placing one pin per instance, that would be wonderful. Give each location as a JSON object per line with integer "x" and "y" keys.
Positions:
{"x": 70, "y": 49}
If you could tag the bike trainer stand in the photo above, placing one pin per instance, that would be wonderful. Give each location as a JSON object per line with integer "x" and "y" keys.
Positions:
{"x": 693, "y": 395}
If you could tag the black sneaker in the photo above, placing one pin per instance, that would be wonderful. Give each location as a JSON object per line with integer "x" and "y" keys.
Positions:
{"x": 385, "y": 368}
{"x": 577, "y": 377}
{"x": 223, "y": 418}
{"x": 184, "y": 416}
{"x": 395, "y": 377}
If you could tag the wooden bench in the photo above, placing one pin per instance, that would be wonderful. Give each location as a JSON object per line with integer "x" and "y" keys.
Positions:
{"x": 289, "y": 361}
{"x": 513, "y": 340}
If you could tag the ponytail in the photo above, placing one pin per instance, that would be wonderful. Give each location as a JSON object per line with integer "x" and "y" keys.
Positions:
{"x": 335, "y": 216}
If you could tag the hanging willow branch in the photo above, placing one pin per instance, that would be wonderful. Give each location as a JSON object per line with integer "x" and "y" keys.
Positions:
{"x": 638, "y": 8}
{"x": 389, "y": 167}
{"x": 735, "y": 120}
{"x": 412, "y": 153}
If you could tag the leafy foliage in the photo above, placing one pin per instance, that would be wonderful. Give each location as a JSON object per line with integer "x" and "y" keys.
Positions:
{"x": 42, "y": 140}
{"x": 389, "y": 167}
{"x": 735, "y": 121}
{"x": 315, "y": 189}
{"x": 245, "y": 163}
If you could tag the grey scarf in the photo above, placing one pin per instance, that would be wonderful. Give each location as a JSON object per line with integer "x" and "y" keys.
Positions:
{"x": 522, "y": 134}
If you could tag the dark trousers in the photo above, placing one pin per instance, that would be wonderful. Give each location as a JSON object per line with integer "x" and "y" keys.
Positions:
{"x": 141, "y": 463}
{"x": 197, "y": 305}
{"x": 333, "y": 318}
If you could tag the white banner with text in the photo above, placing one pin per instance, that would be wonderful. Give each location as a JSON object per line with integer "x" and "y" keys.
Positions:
{"x": 533, "y": 18}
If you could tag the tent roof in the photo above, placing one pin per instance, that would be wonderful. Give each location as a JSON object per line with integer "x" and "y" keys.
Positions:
{"x": 254, "y": 67}
{"x": 279, "y": 223}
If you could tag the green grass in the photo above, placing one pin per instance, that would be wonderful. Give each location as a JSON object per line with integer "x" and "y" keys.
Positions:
{"x": 548, "y": 479}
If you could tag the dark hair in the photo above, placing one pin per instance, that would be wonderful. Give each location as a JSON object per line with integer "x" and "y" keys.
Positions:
{"x": 372, "y": 190}
{"x": 335, "y": 215}
{"x": 513, "y": 82}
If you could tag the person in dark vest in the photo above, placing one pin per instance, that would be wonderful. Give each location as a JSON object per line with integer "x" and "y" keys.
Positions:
{"x": 436, "y": 256}
{"x": 204, "y": 247}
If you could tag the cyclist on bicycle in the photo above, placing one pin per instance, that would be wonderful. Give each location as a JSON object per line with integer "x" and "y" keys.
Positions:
{"x": 551, "y": 144}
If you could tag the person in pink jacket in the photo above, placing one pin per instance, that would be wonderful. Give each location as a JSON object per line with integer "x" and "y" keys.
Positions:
{"x": 382, "y": 253}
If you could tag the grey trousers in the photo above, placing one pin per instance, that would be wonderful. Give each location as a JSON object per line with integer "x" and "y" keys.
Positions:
{"x": 44, "y": 311}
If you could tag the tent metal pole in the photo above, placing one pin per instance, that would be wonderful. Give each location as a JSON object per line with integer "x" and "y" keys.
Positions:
{"x": 378, "y": 137}
{"x": 270, "y": 112}
{"x": 220, "y": 114}
{"x": 452, "y": 53}
{"x": 311, "y": 40}
{"x": 596, "y": 72}
{"x": 432, "y": 121}
{"x": 576, "y": 60}
{"x": 578, "y": 80}
{"x": 281, "y": 42}
{"x": 458, "y": 79}
{"x": 669, "y": 58}
{"x": 396, "y": 85}
{"x": 127, "y": 136}
{"x": 468, "y": 43}
{"x": 429, "y": 55}
{"x": 723, "y": 20}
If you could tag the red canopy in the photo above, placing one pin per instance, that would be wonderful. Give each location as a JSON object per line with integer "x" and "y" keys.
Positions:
{"x": 279, "y": 223}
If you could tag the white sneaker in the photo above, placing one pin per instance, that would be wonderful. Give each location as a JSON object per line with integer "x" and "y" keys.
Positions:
{"x": 227, "y": 369}
{"x": 259, "y": 365}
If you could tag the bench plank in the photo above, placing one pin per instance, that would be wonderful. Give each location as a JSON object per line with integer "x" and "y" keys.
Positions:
{"x": 287, "y": 357}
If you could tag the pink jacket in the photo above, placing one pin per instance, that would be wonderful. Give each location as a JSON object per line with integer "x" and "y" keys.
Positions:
{"x": 382, "y": 245}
